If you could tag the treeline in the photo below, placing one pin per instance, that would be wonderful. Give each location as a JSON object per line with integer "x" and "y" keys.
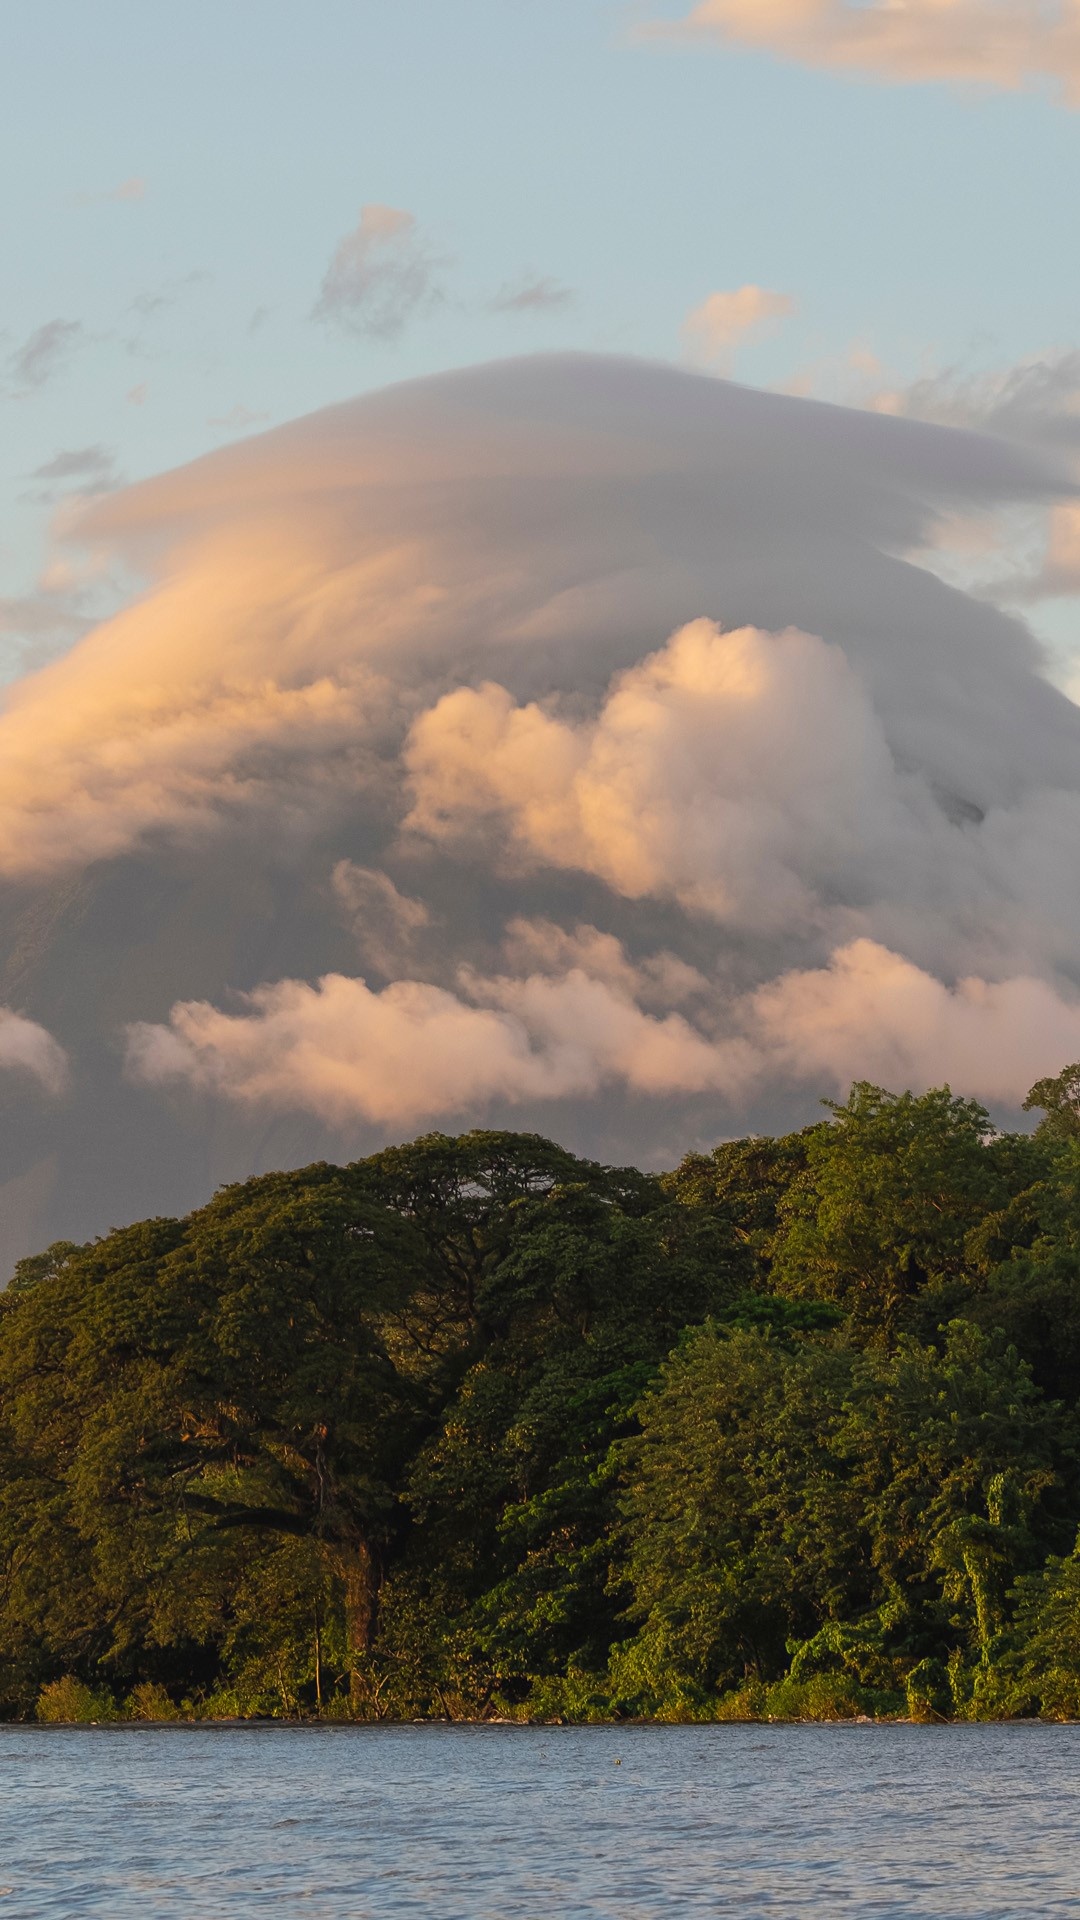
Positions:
{"x": 474, "y": 1427}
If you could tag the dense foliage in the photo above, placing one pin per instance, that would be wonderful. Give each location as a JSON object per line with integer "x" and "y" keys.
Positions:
{"x": 475, "y": 1427}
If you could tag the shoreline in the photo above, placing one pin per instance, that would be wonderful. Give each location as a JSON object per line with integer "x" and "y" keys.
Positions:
{"x": 268, "y": 1722}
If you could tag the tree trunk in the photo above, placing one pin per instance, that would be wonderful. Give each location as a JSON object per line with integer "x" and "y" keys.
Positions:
{"x": 360, "y": 1574}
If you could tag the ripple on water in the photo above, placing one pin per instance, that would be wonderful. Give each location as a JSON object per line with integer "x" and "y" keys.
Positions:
{"x": 514, "y": 1823}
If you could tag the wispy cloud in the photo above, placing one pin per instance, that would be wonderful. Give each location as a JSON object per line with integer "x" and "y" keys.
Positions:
{"x": 531, "y": 294}
{"x": 387, "y": 925}
{"x": 93, "y": 465}
{"x": 380, "y": 276}
{"x": 44, "y": 352}
{"x": 80, "y": 471}
{"x": 168, "y": 293}
{"x": 991, "y": 43}
{"x": 237, "y": 419}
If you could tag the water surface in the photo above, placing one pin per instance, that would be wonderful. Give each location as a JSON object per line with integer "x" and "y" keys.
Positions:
{"x": 511, "y": 1823}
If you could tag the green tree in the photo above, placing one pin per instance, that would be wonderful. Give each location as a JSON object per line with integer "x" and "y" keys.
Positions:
{"x": 1058, "y": 1099}
{"x": 892, "y": 1189}
{"x": 797, "y": 1494}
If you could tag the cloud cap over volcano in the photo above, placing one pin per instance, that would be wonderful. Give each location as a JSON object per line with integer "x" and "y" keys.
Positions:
{"x": 594, "y": 744}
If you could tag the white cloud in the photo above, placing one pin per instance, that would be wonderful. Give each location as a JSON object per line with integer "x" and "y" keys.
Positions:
{"x": 749, "y": 777}
{"x": 416, "y": 1053}
{"x": 29, "y": 1048}
{"x": 740, "y": 773}
{"x": 380, "y": 275}
{"x": 870, "y": 1014}
{"x": 713, "y": 331}
{"x": 991, "y": 43}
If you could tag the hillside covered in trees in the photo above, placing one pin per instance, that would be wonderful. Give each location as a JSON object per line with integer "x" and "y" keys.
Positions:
{"x": 474, "y": 1427}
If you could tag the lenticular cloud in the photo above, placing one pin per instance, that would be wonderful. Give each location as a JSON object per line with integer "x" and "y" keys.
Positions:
{"x": 566, "y": 736}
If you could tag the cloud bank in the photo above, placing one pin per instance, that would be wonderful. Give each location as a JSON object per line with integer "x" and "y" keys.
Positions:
{"x": 610, "y": 720}
{"x": 991, "y": 43}
{"x": 416, "y": 1053}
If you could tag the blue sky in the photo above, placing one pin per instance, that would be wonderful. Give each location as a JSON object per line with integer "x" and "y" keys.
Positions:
{"x": 928, "y": 225}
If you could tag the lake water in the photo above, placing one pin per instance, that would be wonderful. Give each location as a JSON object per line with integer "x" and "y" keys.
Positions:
{"x": 511, "y": 1823}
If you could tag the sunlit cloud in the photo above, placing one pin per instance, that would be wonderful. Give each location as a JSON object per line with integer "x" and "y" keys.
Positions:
{"x": 990, "y": 43}
{"x": 415, "y": 1053}
{"x": 713, "y": 331}
{"x": 614, "y": 746}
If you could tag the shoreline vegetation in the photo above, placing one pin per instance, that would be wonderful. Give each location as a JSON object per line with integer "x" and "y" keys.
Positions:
{"x": 475, "y": 1431}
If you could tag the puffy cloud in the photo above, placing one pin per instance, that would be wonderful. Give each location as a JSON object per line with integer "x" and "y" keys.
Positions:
{"x": 380, "y": 275}
{"x": 871, "y": 1014}
{"x": 739, "y": 772}
{"x": 995, "y": 43}
{"x": 543, "y": 947}
{"x": 44, "y": 352}
{"x": 748, "y": 777}
{"x": 416, "y": 1052}
{"x": 30, "y": 1048}
{"x": 712, "y": 331}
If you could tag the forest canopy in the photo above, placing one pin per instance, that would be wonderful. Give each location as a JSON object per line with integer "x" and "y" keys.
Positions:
{"x": 475, "y": 1427}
